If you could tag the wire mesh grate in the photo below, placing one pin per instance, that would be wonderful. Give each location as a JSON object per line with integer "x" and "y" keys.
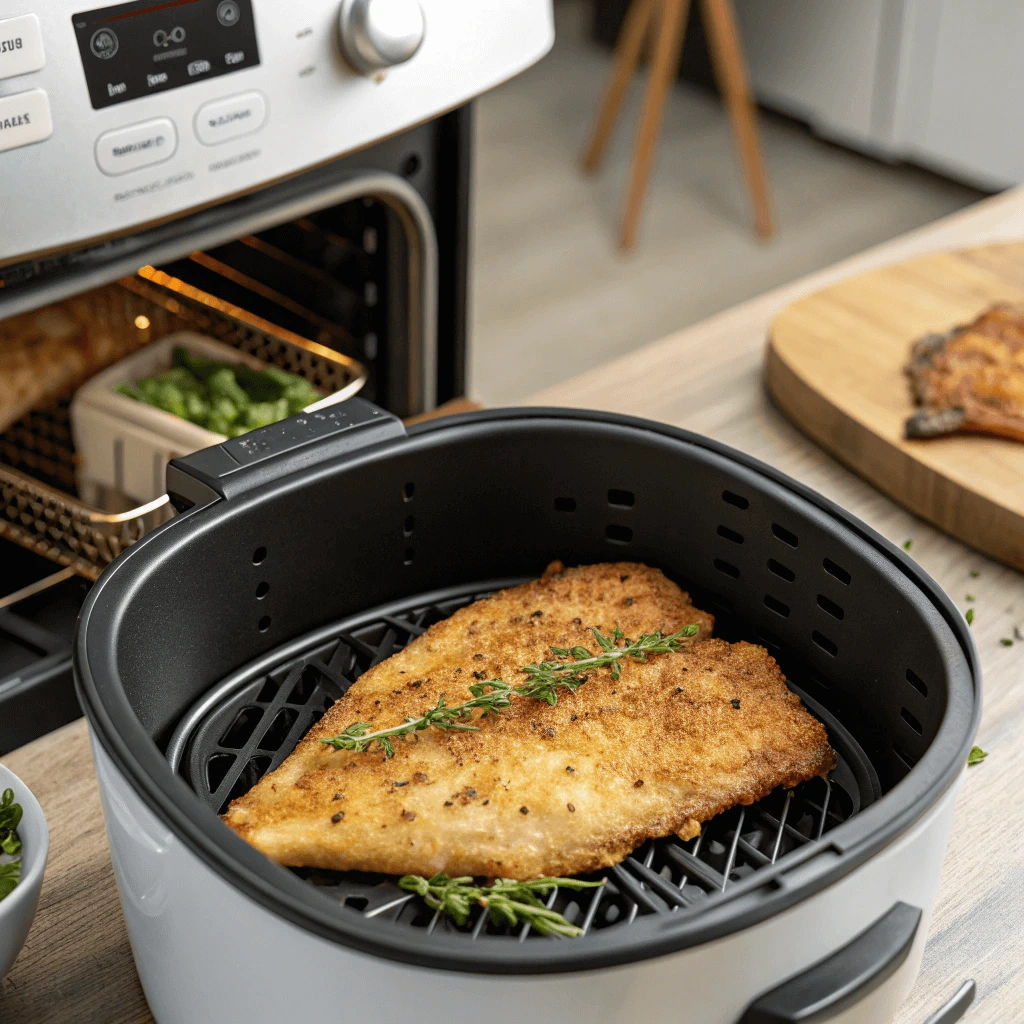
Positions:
{"x": 250, "y": 730}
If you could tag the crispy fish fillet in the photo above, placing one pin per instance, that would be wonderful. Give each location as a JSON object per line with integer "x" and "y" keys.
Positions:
{"x": 971, "y": 380}
{"x": 540, "y": 790}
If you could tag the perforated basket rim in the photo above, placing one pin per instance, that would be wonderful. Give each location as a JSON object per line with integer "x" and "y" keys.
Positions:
{"x": 144, "y": 767}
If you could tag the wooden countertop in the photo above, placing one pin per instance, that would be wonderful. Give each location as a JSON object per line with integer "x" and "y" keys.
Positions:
{"x": 77, "y": 964}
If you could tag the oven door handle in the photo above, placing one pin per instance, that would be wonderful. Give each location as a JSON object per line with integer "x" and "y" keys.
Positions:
{"x": 840, "y": 981}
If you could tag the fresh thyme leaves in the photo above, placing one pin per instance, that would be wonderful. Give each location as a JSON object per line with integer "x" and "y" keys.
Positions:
{"x": 976, "y": 756}
{"x": 506, "y": 900}
{"x": 975, "y": 574}
{"x": 543, "y": 682}
{"x": 907, "y": 545}
{"x": 10, "y": 843}
{"x": 970, "y": 616}
{"x": 1006, "y": 641}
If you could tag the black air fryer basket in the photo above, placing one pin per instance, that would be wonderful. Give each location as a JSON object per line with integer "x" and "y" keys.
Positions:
{"x": 312, "y": 549}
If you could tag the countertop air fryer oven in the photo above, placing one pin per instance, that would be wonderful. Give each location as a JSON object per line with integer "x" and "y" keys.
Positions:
{"x": 304, "y": 197}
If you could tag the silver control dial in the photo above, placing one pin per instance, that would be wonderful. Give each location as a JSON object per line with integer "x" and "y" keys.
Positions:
{"x": 378, "y": 34}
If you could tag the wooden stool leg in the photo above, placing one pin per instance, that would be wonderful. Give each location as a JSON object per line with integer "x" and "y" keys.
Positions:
{"x": 628, "y": 48}
{"x": 730, "y": 70}
{"x": 667, "y": 50}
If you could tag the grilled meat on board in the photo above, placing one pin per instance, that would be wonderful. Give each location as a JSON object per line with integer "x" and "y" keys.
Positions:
{"x": 970, "y": 380}
{"x": 540, "y": 790}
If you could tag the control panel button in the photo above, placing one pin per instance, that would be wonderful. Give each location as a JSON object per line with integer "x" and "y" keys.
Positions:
{"x": 21, "y": 46}
{"x": 137, "y": 146}
{"x": 227, "y": 119}
{"x": 24, "y": 119}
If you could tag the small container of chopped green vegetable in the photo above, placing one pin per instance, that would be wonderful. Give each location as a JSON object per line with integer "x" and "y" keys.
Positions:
{"x": 24, "y": 844}
{"x": 180, "y": 394}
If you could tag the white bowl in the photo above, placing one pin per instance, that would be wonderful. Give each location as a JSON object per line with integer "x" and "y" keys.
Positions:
{"x": 18, "y": 910}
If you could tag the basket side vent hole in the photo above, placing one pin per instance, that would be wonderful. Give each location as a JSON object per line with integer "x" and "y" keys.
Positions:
{"x": 830, "y": 606}
{"x": 278, "y": 732}
{"x": 618, "y": 534}
{"x": 776, "y": 605}
{"x": 241, "y": 728}
{"x": 736, "y": 500}
{"x": 621, "y": 499}
{"x": 828, "y": 646}
{"x": 786, "y": 536}
{"x": 727, "y": 568}
{"x": 911, "y": 721}
{"x": 408, "y": 526}
{"x": 408, "y": 491}
{"x": 730, "y": 535}
{"x": 782, "y": 571}
{"x": 917, "y": 682}
{"x": 264, "y": 624}
{"x": 565, "y": 504}
{"x": 837, "y": 571}
{"x": 408, "y": 555}
{"x": 259, "y": 556}
{"x": 262, "y": 590}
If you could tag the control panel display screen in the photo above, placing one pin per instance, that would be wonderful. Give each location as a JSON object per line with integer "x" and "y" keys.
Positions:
{"x": 150, "y": 46}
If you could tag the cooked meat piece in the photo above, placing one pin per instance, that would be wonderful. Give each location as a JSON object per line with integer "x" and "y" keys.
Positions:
{"x": 540, "y": 790}
{"x": 970, "y": 380}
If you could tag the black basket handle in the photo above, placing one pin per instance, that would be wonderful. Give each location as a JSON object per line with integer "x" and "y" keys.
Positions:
{"x": 843, "y": 979}
{"x": 262, "y": 455}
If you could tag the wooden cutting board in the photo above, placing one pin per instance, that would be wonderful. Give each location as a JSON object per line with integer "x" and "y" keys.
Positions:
{"x": 835, "y": 367}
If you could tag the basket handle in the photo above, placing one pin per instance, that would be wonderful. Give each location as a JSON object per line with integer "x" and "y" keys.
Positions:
{"x": 259, "y": 456}
{"x": 840, "y": 981}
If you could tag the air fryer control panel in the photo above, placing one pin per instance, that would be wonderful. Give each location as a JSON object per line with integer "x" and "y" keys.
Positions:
{"x": 130, "y": 113}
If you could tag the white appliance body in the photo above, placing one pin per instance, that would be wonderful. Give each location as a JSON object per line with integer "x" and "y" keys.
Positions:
{"x": 935, "y": 82}
{"x": 71, "y": 173}
{"x": 205, "y": 951}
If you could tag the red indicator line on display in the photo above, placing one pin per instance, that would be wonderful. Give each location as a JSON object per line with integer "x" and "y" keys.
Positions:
{"x": 147, "y": 10}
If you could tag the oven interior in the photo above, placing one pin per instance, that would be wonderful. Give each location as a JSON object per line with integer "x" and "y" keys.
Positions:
{"x": 272, "y": 604}
{"x": 336, "y": 276}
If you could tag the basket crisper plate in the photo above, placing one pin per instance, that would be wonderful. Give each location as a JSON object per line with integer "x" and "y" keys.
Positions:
{"x": 38, "y": 506}
{"x": 248, "y": 724}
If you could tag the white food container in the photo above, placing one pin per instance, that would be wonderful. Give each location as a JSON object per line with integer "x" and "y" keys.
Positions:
{"x": 124, "y": 444}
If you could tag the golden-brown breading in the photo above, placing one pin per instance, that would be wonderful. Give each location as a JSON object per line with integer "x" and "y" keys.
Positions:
{"x": 540, "y": 790}
{"x": 971, "y": 380}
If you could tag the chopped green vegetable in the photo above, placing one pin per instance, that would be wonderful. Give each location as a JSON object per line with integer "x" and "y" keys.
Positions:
{"x": 976, "y": 756}
{"x": 975, "y": 574}
{"x": 970, "y": 597}
{"x": 1006, "y": 641}
{"x": 907, "y": 545}
{"x": 10, "y": 842}
{"x": 970, "y": 616}
{"x": 226, "y": 398}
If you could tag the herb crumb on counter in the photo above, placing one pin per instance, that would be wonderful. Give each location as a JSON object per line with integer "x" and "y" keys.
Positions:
{"x": 976, "y": 756}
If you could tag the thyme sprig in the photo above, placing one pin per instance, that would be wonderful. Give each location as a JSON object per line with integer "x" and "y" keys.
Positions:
{"x": 507, "y": 900}
{"x": 543, "y": 681}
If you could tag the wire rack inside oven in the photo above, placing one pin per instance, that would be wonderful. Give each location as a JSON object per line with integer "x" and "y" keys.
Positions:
{"x": 249, "y": 724}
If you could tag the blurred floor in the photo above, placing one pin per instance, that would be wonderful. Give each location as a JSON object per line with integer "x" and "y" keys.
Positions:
{"x": 550, "y": 295}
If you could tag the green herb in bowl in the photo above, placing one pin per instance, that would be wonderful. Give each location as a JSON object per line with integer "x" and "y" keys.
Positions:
{"x": 10, "y": 843}
{"x": 227, "y": 398}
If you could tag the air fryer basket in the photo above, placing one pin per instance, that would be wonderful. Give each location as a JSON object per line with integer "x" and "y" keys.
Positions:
{"x": 306, "y": 556}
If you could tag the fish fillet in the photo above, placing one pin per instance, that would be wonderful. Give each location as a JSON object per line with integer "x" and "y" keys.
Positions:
{"x": 540, "y": 790}
{"x": 970, "y": 380}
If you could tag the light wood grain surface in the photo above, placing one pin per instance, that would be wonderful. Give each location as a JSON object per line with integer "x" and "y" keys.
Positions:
{"x": 835, "y": 367}
{"x": 77, "y": 965}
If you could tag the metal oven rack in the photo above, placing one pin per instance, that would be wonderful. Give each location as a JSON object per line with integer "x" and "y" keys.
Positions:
{"x": 39, "y": 506}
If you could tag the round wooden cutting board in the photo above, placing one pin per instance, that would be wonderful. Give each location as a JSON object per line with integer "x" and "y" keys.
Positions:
{"x": 835, "y": 367}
